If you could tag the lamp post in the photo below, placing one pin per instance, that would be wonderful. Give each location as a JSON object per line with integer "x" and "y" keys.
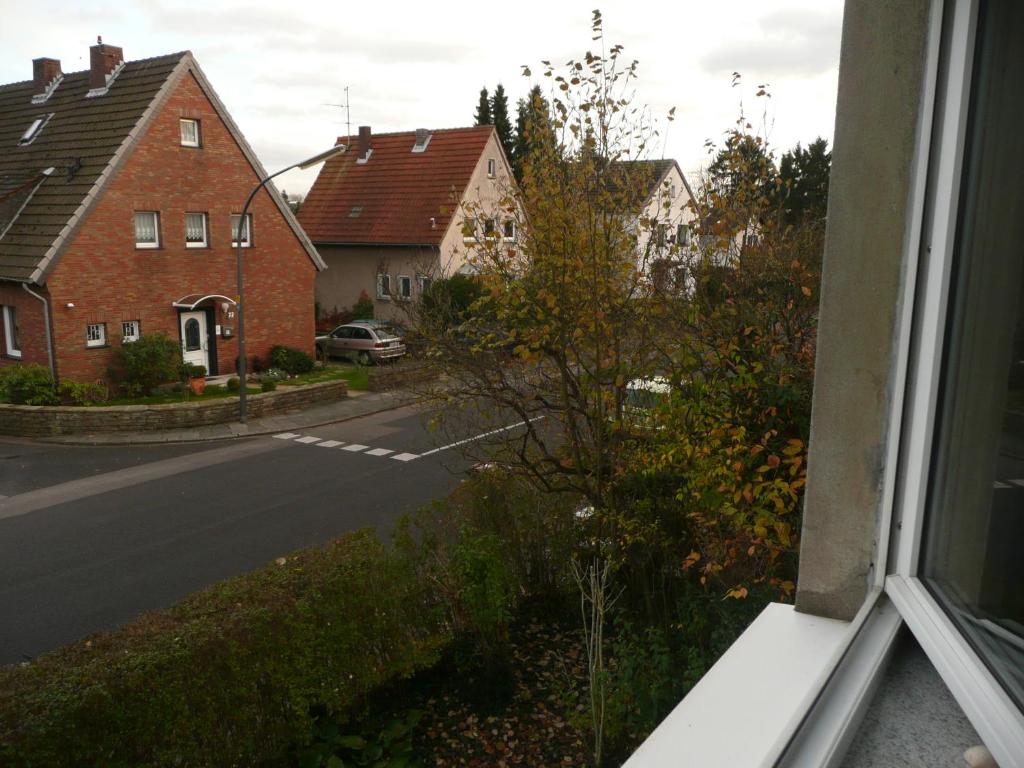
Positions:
{"x": 244, "y": 229}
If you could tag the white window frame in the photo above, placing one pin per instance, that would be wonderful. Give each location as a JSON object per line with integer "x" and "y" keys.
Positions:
{"x": 206, "y": 231}
{"x": 100, "y": 339}
{"x": 188, "y": 142}
{"x": 423, "y": 283}
{"x": 247, "y": 242}
{"x": 156, "y": 229}
{"x": 384, "y": 286}
{"x": 404, "y": 288}
{"x": 131, "y": 330}
{"x": 515, "y": 231}
{"x": 469, "y": 223}
{"x": 12, "y": 344}
{"x": 492, "y": 168}
{"x": 35, "y": 128}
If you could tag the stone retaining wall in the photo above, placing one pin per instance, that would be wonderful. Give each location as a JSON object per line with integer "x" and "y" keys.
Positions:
{"x": 44, "y": 421}
{"x": 400, "y": 375}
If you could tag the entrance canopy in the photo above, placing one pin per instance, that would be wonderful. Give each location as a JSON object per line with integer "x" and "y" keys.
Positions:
{"x": 193, "y": 300}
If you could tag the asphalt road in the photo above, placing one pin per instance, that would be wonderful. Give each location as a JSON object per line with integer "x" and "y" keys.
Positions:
{"x": 90, "y": 537}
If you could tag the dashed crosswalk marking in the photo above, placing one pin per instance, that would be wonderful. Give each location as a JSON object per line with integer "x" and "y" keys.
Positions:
{"x": 405, "y": 456}
{"x": 355, "y": 447}
{"x": 379, "y": 452}
{"x": 366, "y": 450}
{"x": 287, "y": 436}
{"x": 330, "y": 444}
{"x": 308, "y": 439}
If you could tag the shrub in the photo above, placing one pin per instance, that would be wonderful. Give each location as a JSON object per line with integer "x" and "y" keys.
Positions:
{"x": 268, "y": 385}
{"x": 28, "y": 385}
{"x": 152, "y": 360}
{"x": 193, "y": 371}
{"x": 273, "y": 374}
{"x": 289, "y": 359}
{"x": 234, "y": 384}
{"x": 233, "y": 674}
{"x": 363, "y": 308}
{"x": 82, "y": 392}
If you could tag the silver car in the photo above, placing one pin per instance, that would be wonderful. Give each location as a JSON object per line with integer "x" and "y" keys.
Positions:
{"x": 362, "y": 342}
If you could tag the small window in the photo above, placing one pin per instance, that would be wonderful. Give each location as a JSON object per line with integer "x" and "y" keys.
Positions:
{"x": 683, "y": 235}
{"x": 147, "y": 229}
{"x": 130, "y": 331}
{"x": 246, "y": 230}
{"x": 469, "y": 228}
{"x": 509, "y": 230}
{"x": 96, "y": 335}
{"x": 11, "y": 342}
{"x": 425, "y": 283}
{"x": 490, "y": 228}
{"x": 383, "y": 286}
{"x": 34, "y": 130}
{"x": 492, "y": 167}
{"x": 404, "y": 287}
{"x": 189, "y": 133}
{"x": 195, "y": 230}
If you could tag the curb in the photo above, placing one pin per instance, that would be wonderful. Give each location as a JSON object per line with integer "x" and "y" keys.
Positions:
{"x": 400, "y": 400}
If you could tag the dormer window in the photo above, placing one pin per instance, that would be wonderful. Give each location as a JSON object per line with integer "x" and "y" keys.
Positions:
{"x": 33, "y": 130}
{"x": 189, "y": 133}
{"x": 422, "y": 140}
{"x": 492, "y": 168}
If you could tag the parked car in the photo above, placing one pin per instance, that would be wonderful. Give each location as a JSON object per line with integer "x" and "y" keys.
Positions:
{"x": 366, "y": 344}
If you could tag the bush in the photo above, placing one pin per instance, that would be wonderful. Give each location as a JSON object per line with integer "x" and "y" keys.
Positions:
{"x": 28, "y": 385}
{"x": 193, "y": 371}
{"x": 289, "y": 359}
{"x": 232, "y": 675}
{"x": 234, "y": 384}
{"x": 268, "y": 385}
{"x": 82, "y": 392}
{"x": 152, "y": 360}
{"x": 363, "y": 308}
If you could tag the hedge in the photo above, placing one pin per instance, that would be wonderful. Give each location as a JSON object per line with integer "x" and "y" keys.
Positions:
{"x": 228, "y": 676}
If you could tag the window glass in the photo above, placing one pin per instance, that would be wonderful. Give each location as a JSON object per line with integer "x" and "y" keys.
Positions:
{"x": 361, "y": 333}
{"x": 96, "y": 334}
{"x": 973, "y": 558}
{"x": 11, "y": 341}
{"x": 189, "y": 133}
{"x": 130, "y": 330}
{"x": 147, "y": 230}
{"x": 383, "y": 285}
{"x": 246, "y": 230}
{"x": 195, "y": 230}
{"x": 510, "y": 230}
{"x": 404, "y": 286}
{"x": 192, "y": 339}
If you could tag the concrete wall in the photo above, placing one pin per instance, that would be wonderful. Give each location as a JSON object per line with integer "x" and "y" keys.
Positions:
{"x": 880, "y": 82}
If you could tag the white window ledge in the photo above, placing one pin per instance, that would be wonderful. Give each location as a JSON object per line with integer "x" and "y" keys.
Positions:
{"x": 754, "y": 693}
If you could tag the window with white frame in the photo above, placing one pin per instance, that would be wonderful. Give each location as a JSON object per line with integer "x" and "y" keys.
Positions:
{"x": 424, "y": 283}
{"x": 246, "y": 230}
{"x": 12, "y": 344}
{"x": 469, "y": 228}
{"x": 383, "y": 286}
{"x": 404, "y": 287}
{"x": 147, "y": 229}
{"x": 33, "y": 131}
{"x": 195, "y": 230}
{"x": 189, "y": 132}
{"x": 96, "y": 335}
{"x": 492, "y": 168}
{"x": 682, "y": 235}
{"x": 131, "y": 330}
{"x": 509, "y": 230}
{"x": 490, "y": 228}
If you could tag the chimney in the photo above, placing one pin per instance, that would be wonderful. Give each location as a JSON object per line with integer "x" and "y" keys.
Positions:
{"x": 364, "y": 142}
{"x": 102, "y": 60}
{"x": 44, "y": 72}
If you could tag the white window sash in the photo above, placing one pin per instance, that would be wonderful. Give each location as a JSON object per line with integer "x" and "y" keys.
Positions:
{"x": 189, "y": 133}
{"x": 195, "y": 230}
{"x": 12, "y": 343}
{"x": 95, "y": 335}
{"x": 246, "y": 230}
{"x": 147, "y": 229}
{"x": 130, "y": 330}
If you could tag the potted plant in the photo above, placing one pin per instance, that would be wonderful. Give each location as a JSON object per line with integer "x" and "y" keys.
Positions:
{"x": 196, "y": 377}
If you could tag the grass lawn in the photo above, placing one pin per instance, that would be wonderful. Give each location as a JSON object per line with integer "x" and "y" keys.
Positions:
{"x": 185, "y": 396}
{"x": 357, "y": 376}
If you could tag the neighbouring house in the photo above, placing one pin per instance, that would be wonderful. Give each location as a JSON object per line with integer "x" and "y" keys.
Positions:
{"x": 905, "y": 646}
{"x": 390, "y": 215}
{"x": 120, "y": 193}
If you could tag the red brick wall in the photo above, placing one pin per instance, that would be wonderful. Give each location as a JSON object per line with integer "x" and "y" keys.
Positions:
{"x": 31, "y": 325}
{"x": 109, "y": 280}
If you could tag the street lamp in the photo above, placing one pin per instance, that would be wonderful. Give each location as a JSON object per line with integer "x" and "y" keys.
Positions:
{"x": 309, "y": 163}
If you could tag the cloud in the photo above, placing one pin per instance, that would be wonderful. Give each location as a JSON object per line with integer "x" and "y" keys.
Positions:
{"x": 792, "y": 43}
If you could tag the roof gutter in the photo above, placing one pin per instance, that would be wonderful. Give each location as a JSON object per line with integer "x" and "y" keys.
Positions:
{"x": 46, "y": 323}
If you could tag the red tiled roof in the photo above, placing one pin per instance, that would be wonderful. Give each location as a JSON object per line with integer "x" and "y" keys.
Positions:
{"x": 396, "y": 192}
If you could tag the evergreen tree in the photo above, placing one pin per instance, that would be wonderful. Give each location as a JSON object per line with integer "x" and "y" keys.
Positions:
{"x": 501, "y": 121}
{"x": 533, "y": 129}
{"x": 804, "y": 175}
{"x": 483, "y": 110}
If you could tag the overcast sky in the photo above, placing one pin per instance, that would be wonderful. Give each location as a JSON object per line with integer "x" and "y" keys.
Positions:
{"x": 421, "y": 64}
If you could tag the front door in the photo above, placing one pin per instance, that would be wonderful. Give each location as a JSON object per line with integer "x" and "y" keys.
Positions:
{"x": 194, "y": 339}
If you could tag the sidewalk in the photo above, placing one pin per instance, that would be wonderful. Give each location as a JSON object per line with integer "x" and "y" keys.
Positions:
{"x": 355, "y": 405}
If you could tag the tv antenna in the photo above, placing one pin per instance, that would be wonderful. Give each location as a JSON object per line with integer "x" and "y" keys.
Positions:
{"x": 348, "y": 119}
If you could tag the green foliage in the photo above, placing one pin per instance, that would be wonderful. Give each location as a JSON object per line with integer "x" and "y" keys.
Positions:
{"x": 193, "y": 370}
{"x": 27, "y": 385}
{"x": 268, "y": 385}
{"x": 502, "y": 122}
{"x": 804, "y": 175}
{"x": 146, "y": 363}
{"x": 483, "y": 109}
{"x": 234, "y": 384}
{"x": 231, "y": 675}
{"x": 534, "y": 132}
{"x": 363, "y": 308}
{"x": 448, "y": 303}
{"x": 83, "y": 392}
{"x": 289, "y": 359}
{"x": 387, "y": 747}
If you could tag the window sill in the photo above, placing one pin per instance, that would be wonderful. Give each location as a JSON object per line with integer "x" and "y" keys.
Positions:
{"x": 11, "y": 355}
{"x": 203, "y": 247}
{"x": 147, "y": 247}
{"x": 97, "y": 346}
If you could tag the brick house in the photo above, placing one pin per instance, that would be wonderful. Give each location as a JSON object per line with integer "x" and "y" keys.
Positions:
{"x": 120, "y": 188}
{"x": 388, "y": 216}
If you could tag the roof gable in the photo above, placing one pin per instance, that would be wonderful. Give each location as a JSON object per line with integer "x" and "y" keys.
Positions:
{"x": 397, "y": 197}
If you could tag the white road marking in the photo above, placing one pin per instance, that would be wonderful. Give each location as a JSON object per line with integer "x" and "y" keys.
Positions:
{"x": 355, "y": 447}
{"x": 287, "y": 436}
{"x": 998, "y": 484}
{"x": 479, "y": 437}
{"x": 379, "y": 452}
{"x": 405, "y": 456}
{"x": 330, "y": 444}
{"x": 308, "y": 439}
